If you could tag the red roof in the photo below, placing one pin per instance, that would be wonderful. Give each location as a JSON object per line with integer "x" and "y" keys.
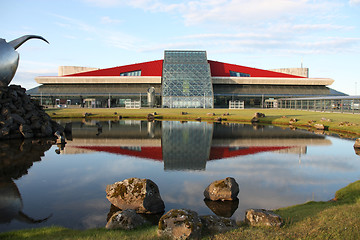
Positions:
{"x": 154, "y": 68}
{"x": 220, "y": 69}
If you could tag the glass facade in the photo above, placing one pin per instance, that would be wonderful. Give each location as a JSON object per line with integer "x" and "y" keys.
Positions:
{"x": 186, "y": 80}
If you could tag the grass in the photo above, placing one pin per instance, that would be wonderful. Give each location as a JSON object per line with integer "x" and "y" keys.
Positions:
{"x": 60, "y": 233}
{"x": 335, "y": 122}
{"x": 335, "y": 219}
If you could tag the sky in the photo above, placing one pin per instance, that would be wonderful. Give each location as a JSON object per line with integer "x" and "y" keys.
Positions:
{"x": 322, "y": 35}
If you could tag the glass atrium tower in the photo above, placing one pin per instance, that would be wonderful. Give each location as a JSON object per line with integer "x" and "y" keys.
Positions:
{"x": 186, "y": 80}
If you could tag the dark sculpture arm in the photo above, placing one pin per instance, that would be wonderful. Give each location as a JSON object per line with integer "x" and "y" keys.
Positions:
{"x": 19, "y": 41}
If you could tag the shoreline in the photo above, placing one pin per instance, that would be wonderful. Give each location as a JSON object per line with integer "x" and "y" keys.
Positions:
{"x": 339, "y": 123}
{"x": 336, "y": 219}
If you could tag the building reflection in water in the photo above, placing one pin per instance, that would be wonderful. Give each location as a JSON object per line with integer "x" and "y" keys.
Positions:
{"x": 16, "y": 157}
{"x": 186, "y": 145}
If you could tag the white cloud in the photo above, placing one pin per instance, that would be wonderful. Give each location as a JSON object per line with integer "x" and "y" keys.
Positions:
{"x": 105, "y": 3}
{"x": 354, "y": 2}
{"x": 113, "y": 38}
{"x": 318, "y": 27}
{"x": 227, "y": 12}
{"x": 108, "y": 20}
{"x": 72, "y": 23}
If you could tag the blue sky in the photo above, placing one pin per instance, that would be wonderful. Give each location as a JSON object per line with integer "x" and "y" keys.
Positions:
{"x": 324, "y": 35}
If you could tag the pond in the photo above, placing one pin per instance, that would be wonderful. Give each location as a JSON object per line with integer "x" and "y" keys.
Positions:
{"x": 43, "y": 184}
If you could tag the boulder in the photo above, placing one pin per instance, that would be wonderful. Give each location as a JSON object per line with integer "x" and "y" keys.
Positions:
{"x": 326, "y": 119}
{"x": 292, "y": 120}
{"x": 262, "y": 217}
{"x": 319, "y": 126}
{"x": 225, "y": 189}
{"x": 214, "y": 224}
{"x": 357, "y": 143}
{"x": 17, "y": 118}
{"x": 142, "y": 195}
{"x": 357, "y": 151}
{"x": 126, "y": 220}
{"x": 259, "y": 115}
{"x": 180, "y": 224}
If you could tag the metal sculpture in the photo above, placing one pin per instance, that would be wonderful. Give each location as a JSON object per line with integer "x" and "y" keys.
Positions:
{"x": 9, "y": 58}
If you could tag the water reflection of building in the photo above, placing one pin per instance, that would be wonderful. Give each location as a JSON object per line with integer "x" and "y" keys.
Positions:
{"x": 187, "y": 145}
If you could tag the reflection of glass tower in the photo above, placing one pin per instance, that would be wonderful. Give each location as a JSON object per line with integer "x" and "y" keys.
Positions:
{"x": 186, "y": 80}
{"x": 186, "y": 146}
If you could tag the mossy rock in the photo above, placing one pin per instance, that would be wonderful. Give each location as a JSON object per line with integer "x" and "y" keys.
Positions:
{"x": 142, "y": 195}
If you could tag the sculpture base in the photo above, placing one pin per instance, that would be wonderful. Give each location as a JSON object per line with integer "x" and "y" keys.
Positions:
{"x": 21, "y": 117}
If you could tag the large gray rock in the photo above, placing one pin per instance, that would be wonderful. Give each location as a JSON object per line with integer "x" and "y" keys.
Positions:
{"x": 214, "y": 224}
{"x": 126, "y": 220}
{"x": 357, "y": 143}
{"x": 180, "y": 224}
{"x": 142, "y": 195}
{"x": 225, "y": 189}
{"x": 262, "y": 217}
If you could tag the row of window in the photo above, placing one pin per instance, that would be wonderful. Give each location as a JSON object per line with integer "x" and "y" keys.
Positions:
{"x": 132, "y": 73}
{"x": 138, "y": 73}
{"x": 238, "y": 74}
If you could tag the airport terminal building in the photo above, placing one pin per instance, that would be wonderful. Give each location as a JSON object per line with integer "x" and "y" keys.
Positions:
{"x": 183, "y": 79}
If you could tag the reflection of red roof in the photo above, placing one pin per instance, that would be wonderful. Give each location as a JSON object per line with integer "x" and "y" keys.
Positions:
{"x": 145, "y": 152}
{"x": 227, "y": 152}
{"x": 156, "y": 152}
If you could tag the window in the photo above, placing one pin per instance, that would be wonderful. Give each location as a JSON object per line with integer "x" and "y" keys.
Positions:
{"x": 238, "y": 74}
{"x": 133, "y": 73}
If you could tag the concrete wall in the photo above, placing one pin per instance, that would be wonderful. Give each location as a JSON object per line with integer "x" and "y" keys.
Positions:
{"x": 67, "y": 70}
{"x": 302, "y": 72}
